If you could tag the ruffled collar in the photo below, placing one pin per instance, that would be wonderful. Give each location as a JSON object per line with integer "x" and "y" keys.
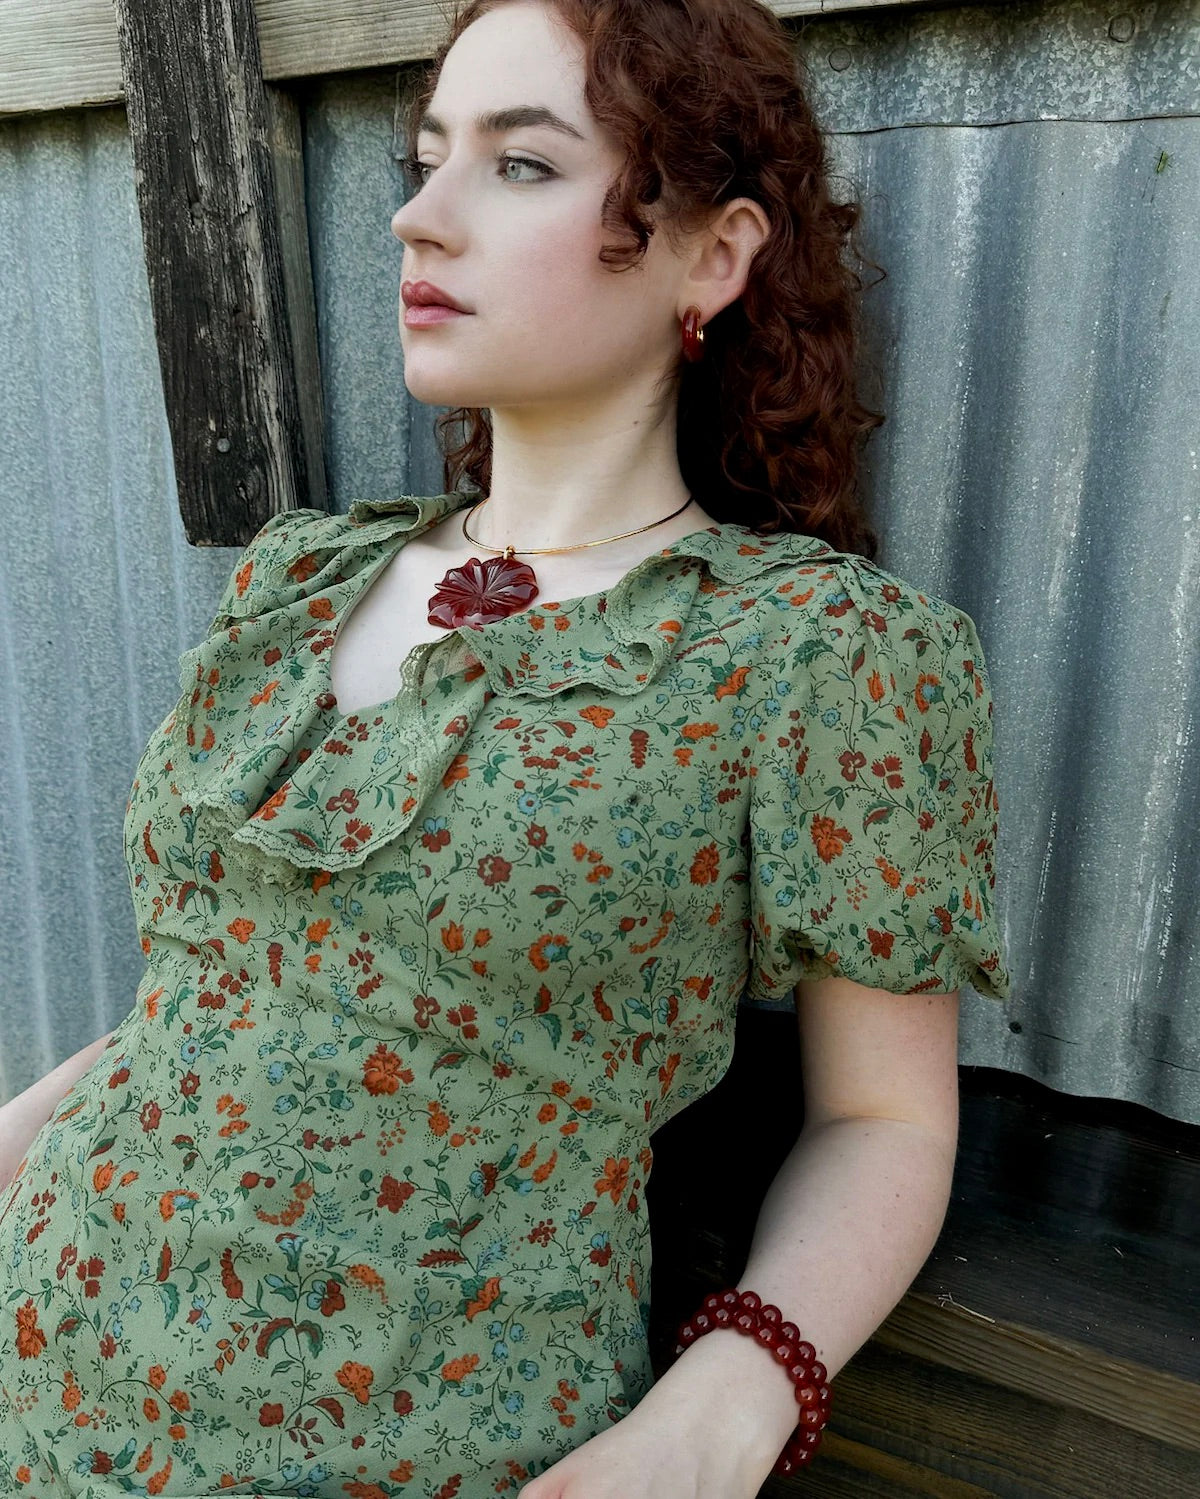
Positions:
{"x": 257, "y": 742}
{"x": 630, "y": 629}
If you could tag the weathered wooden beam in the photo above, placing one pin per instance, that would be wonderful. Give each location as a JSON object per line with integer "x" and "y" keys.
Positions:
{"x": 220, "y": 191}
{"x": 66, "y": 55}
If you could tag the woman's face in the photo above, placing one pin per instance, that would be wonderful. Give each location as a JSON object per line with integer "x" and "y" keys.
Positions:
{"x": 517, "y": 242}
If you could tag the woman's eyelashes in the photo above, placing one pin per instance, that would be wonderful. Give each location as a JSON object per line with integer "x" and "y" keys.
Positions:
{"x": 413, "y": 168}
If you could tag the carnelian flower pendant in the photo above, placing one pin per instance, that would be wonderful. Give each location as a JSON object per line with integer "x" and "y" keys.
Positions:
{"x": 480, "y": 592}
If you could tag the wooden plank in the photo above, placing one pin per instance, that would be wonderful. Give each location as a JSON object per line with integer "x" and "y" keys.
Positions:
{"x": 904, "y": 1427}
{"x": 231, "y": 331}
{"x": 1117, "y": 1390}
{"x": 67, "y": 55}
{"x": 287, "y": 160}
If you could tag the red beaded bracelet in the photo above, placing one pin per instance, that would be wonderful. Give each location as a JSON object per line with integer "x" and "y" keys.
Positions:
{"x": 746, "y": 1312}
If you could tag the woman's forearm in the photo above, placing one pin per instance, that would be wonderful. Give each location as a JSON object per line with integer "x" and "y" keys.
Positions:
{"x": 23, "y": 1116}
{"x": 847, "y": 1223}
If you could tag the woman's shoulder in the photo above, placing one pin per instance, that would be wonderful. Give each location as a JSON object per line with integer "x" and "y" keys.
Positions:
{"x": 856, "y": 611}
{"x": 302, "y": 550}
{"x": 273, "y": 563}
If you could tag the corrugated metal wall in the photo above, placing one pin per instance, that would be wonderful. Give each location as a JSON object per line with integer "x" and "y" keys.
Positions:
{"x": 1030, "y": 175}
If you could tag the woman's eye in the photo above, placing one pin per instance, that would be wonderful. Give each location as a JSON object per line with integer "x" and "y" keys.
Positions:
{"x": 415, "y": 169}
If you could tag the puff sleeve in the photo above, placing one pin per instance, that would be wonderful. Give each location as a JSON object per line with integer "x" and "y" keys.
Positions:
{"x": 873, "y": 810}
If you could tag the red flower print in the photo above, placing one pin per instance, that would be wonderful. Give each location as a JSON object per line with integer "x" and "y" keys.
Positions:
{"x": 89, "y": 1273}
{"x": 888, "y": 769}
{"x": 333, "y": 1300}
{"x": 851, "y": 761}
{"x": 270, "y": 1415}
{"x": 393, "y": 1194}
{"x": 344, "y": 801}
{"x": 463, "y": 1016}
{"x": 493, "y": 870}
{"x": 424, "y": 1005}
{"x": 230, "y": 1280}
{"x": 356, "y": 833}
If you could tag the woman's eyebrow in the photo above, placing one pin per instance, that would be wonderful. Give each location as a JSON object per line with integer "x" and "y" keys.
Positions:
{"x": 497, "y": 121}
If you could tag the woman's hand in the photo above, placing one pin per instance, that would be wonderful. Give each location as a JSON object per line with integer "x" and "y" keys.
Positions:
{"x": 710, "y": 1428}
{"x": 22, "y": 1118}
{"x": 642, "y": 1457}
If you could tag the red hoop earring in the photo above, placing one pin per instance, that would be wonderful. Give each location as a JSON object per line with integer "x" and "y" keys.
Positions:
{"x": 693, "y": 336}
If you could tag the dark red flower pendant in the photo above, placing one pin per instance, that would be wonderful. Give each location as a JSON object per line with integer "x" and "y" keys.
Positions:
{"x": 480, "y": 592}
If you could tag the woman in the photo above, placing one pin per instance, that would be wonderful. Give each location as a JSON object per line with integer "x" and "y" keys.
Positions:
{"x": 452, "y": 863}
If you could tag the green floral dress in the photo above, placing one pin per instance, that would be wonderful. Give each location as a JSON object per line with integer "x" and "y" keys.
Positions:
{"x": 353, "y": 1202}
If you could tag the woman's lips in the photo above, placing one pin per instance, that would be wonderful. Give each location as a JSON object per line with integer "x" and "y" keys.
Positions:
{"x": 418, "y": 316}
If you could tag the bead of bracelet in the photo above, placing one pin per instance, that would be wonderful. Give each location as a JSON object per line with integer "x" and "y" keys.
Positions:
{"x": 747, "y": 1313}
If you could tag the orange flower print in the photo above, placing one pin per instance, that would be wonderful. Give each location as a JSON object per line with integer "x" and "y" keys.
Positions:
{"x": 830, "y": 840}
{"x": 537, "y": 952}
{"x": 927, "y": 691}
{"x": 271, "y": 806}
{"x": 485, "y": 1298}
{"x": 733, "y": 683}
{"x": 383, "y": 1071}
{"x": 31, "y": 1340}
{"x": 457, "y": 1369}
{"x": 453, "y": 936}
{"x": 265, "y": 693}
{"x": 706, "y": 865}
{"x": 356, "y": 1379}
{"x": 615, "y": 1178}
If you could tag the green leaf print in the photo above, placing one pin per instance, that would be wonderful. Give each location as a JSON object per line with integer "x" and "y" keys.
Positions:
{"x": 170, "y": 1296}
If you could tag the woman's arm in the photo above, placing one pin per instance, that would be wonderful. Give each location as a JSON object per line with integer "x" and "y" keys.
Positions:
{"x": 849, "y": 1219}
{"x": 22, "y": 1117}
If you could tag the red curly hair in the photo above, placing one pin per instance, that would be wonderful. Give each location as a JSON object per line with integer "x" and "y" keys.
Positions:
{"x": 709, "y": 100}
